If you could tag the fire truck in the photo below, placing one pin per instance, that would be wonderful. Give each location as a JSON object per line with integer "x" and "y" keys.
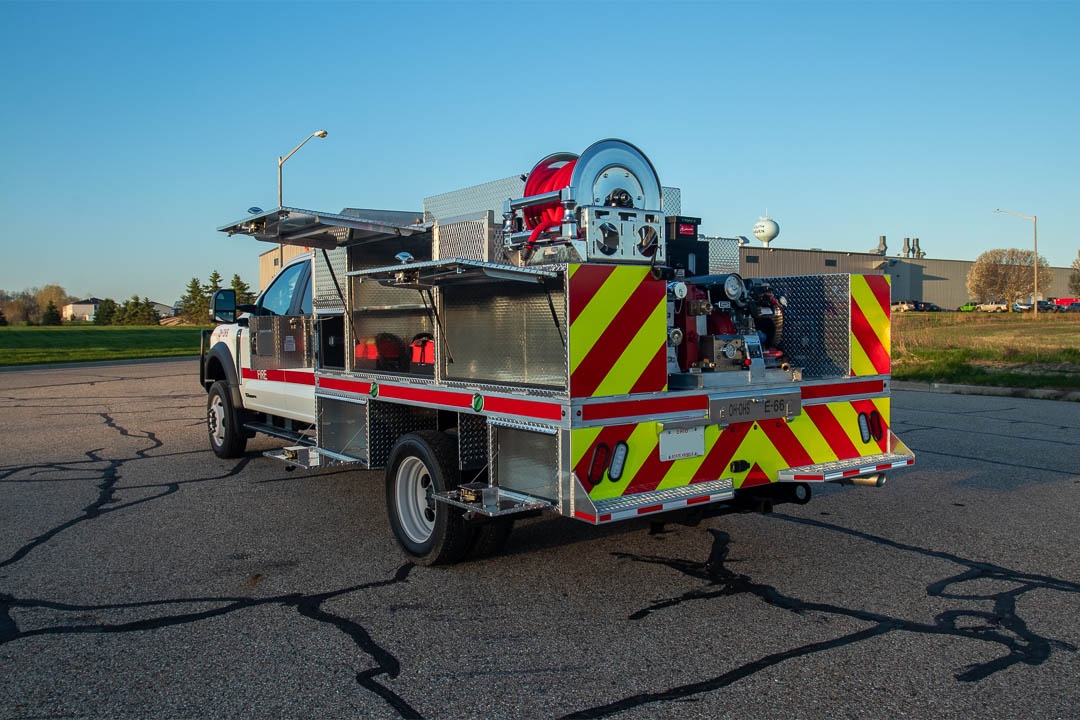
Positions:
{"x": 560, "y": 341}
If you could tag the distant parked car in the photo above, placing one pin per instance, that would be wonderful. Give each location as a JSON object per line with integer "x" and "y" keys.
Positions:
{"x": 968, "y": 307}
{"x": 995, "y": 306}
{"x": 903, "y": 305}
{"x": 1073, "y": 307}
{"x": 1047, "y": 306}
{"x": 1022, "y": 307}
{"x": 930, "y": 307}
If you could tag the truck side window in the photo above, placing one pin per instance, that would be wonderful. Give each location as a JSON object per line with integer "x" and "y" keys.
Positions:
{"x": 279, "y": 296}
{"x": 305, "y": 299}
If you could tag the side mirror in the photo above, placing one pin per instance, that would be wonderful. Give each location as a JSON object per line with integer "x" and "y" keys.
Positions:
{"x": 223, "y": 306}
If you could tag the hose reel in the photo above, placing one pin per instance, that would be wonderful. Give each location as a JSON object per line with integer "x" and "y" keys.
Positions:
{"x": 603, "y": 205}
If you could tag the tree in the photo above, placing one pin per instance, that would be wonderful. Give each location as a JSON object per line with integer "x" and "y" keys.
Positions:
{"x": 51, "y": 315}
{"x": 3, "y": 320}
{"x": 51, "y": 294}
{"x": 195, "y": 303}
{"x": 214, "y": 283}
{"x": 1074, "y": 276}
{"x": 1006, "y": 274}
{"x": 106, "y": 312}
{"x": 16, "y": 311}
{"x": 244, "y": 296}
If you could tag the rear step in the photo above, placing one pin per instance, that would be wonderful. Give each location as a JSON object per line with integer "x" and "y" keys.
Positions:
{"x": 630, "y": 506}
{"x": 855, "y": 467}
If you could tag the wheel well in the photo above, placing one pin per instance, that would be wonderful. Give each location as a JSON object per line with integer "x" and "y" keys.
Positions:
{"x": 214, "y": 372}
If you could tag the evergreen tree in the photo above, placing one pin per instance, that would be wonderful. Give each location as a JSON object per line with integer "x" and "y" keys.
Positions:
{"x": 3, "y": 320}
{"x": 214, "y": 283}
{"x": 195, "y": 304}
{"x": 51, "y": 315}
{"x": 106, "y": 312}
{"x": 244, "y": 296}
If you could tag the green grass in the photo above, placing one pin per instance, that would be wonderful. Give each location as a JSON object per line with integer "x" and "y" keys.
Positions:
{"x": 1008, "y": 350}
{"x": 82, "y": 343}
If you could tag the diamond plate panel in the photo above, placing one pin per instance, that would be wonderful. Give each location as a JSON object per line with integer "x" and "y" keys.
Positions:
{"x": 816, "y": 323}
{"x": 489, "y": 196}
{"x": 630, "y": 502}
{"x": 324, "y": 293}
{"x": 473, "y": 239}
{"x": 472, "y": 441}
{"x": 671, "y": 202}
{"x": 387, "y": 422}
{"x": 723, "y": 255}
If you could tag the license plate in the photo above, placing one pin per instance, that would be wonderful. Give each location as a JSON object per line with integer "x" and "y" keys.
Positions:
{"x": 681, "y": 443}
{"x": 760, "y": 406}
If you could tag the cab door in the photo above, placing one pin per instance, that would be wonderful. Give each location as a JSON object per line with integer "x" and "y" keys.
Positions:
{"x": 281, "y": 377}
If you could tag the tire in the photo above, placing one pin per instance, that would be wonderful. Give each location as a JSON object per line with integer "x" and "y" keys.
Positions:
{"x": 490, "y": 538}
{"x": 430, "y": 532}
{"x": 223, "y": 423}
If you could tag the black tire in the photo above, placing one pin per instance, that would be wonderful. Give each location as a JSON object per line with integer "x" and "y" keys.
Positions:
{"x": 430, "y": 532}
{"x": 227, "y": 440}
{"x": 490, "y": 538}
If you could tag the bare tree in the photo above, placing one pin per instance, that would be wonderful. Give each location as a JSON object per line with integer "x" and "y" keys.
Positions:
{"x": 1006, "y": 274}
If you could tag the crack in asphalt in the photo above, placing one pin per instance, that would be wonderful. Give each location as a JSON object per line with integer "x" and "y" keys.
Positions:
{"x": 309, "y": 606}
{"x": 1001, "y": 626}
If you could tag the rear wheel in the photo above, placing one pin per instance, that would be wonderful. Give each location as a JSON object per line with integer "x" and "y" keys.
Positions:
{"x": 223, "y": 423}
{"x": 430, "y": 532}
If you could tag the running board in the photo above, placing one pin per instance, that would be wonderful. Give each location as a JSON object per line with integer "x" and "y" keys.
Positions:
{"x": 278, "y": 432}
{"x": 855, "y": 467}
{"x": 657, "y": 501}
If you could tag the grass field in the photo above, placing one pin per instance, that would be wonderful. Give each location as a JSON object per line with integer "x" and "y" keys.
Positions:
{"x": 1001, "y": 349}
{"x": 82, "y": 343}
{"x": 968, "y": 348}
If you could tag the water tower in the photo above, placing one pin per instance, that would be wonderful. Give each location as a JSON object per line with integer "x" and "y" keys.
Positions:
{"x": 766, "y": 230}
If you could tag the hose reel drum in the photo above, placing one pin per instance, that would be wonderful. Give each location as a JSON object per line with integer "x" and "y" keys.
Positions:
{"x": 603, "y": 206}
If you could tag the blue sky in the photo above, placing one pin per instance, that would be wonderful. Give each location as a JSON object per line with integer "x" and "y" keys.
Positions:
{"x": 132, "y": 130}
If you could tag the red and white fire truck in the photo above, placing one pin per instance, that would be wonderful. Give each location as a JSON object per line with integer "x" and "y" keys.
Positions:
{"x": 560, "y": 341}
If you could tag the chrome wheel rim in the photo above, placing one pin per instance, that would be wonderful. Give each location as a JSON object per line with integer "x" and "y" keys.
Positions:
{"x": 415, "y": 497}
{"x": 215, "y": 418}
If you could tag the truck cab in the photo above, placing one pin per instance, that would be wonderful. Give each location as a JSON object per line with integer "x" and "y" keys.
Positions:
{"x": 258, "y": 365}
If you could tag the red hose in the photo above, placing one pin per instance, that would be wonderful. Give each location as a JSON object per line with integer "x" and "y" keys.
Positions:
{"x": 549, "y": 178}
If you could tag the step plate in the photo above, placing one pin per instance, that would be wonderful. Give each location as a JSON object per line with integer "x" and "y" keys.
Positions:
{"x": 846, "y": 468}
{"x": 631, "y": 506}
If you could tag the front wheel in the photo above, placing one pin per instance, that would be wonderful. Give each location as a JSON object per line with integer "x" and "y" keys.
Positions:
{"x": 430, "y": 532}
{"x": 223, "y": 423}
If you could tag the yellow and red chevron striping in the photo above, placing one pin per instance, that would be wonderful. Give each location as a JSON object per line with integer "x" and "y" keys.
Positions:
{"x": 870, "y": 340}
{"x": 618, "y": 329}
{"x": 822, "y": 433}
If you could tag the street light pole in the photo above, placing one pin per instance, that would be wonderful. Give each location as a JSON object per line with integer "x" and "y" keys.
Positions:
{"x": 280, "y": 162}
{"x": 1035, "y": 224}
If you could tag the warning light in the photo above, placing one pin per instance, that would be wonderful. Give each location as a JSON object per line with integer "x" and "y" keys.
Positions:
{"x": 618, "y": 460}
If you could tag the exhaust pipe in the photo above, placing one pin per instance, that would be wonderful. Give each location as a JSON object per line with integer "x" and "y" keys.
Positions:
{"x": 875, "y": 480}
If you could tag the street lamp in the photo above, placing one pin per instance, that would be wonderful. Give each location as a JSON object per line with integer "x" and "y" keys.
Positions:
{"x": 281, "y": 160}
{"x": 1035, "y": 222}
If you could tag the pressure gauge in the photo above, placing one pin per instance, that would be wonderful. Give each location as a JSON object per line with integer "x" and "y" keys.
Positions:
{"x": 734, "y": 287}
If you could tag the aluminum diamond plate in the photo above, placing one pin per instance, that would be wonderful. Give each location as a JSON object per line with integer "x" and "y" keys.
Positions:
{"x": 630, "y": 502}
{"x": 817, "y": 322}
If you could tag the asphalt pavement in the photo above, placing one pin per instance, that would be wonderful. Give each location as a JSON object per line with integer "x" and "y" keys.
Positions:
{"x": 141, "y": 576}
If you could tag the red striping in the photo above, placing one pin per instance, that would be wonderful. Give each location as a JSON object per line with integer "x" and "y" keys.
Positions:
{"x": 879, "y": 285}
{"x": 723, "y": 450}
{"x": 849, "y": 473}
{"x": 868, "y": 339}
{"x": 809, "y": 477}
{"x": 649, "y": 509}
{"x": 584, "y": 516}
{"x": 886, "y": 466}
{"x": 631, "y": 408}
{"x": 863, "y": 387}
{"x": 830, "y": 429}
{"x": 756, "y": 477}
{"x": 294, "y": 377}
{"x": 784, "y": 440}
{"x": 584, "y": 284}
{"x": 605, "y": 517}
{"x": 655, "y": 376}
{"x": 702, "y": 499}
{"x": 524, "y": 408}
{"x": 345, "y": 385}
{"x": 649, "y": 475}
{"x": 620, "y": 332}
